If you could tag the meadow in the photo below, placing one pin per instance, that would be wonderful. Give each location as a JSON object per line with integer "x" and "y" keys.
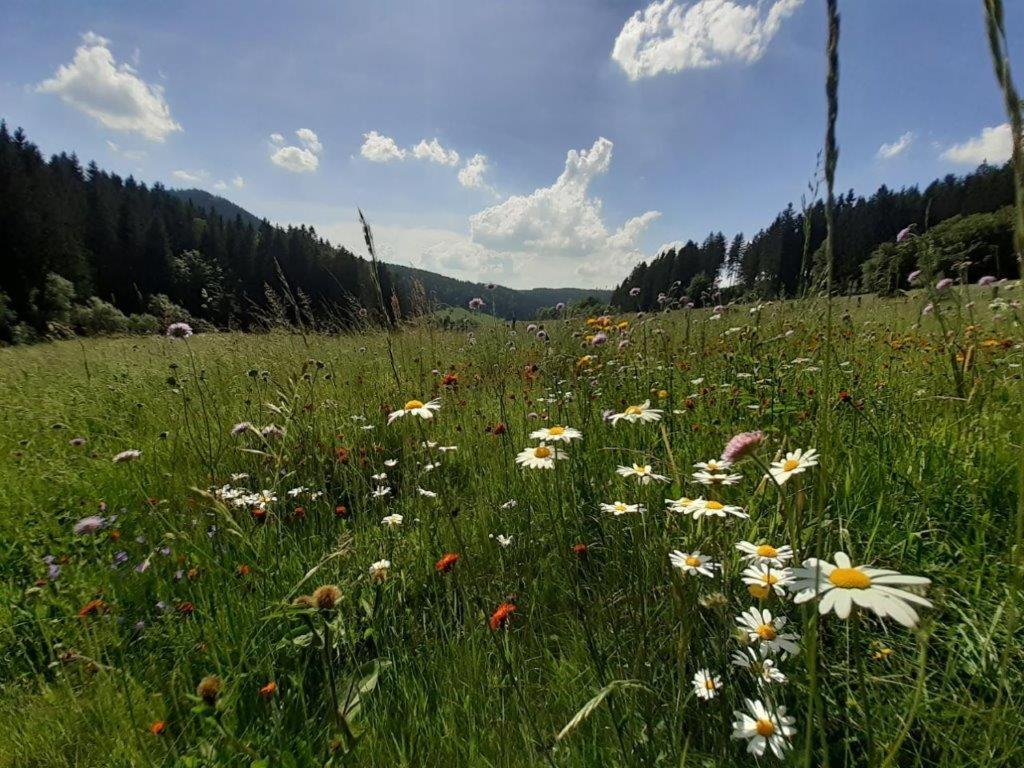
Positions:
{"x": 297, "y": 568}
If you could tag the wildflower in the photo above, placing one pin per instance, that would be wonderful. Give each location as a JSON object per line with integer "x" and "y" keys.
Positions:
{"x": 325, "y": 598}
{"x": 477, "y": 303}
{"x": 76, "y": 442}
{"x": 767, "y": 579}
{"x": 92, "y": 607}
{"x": 89, "y": 525}
{"x": 158, "y": 727}
{"x": 126, "y": 456}
{"x": 503, "y": 541}
{"x": 579, "y": 549}
{"x": 341, "y": 511}
{"x": 268, "y": 690}
{"x": 759, "y": 663}
{"x": 944, "y": 284}
{"x": 510, "y": 504}
{"x": 706, "y": 685}
{"x": 693, "y": 563}
{"x": 416, "y": 408}
{"x": 843, "y": 585}
{"x": 741, "y": 445}
{"x": 209, "y": 689}
{"x": 715, "y": 478}
{"x": 763, "y": 728}
{"x": 682, "y": 504}
{"x": 240, "y": 427}
{"x": 795, "y": 463}
{"x": 621, "y": 508}
{"x": 762, "y": 628}
{"x": 540, "y": 457}
{"x": 634, "y": 413}
{"x": 765, "y": 553}
{"x": 642, "y": 472}
{"x": 986, "y": 280}
{"x": 392, "y": 521}
{"x": 904, "y": 233}
{"x": 556, "y": 434}
{"x": 634, "y": 292}
{"x": 379, "y": 570}
{"x": 380, "y": 492}
{"x": 501, "y": 616}
{"x": 914, "y": 276}
{"x": 425, "y": 493}
{"x": 447, "y": 562}
{"x": 713, "y": 465}
{"x": 179, "y": 330}
{"x": 710, "y": 508}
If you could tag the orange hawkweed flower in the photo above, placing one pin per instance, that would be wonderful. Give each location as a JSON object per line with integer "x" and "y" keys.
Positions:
{"x": 341, "y": 511}
{"x": 450, "y": 380}
{"x": 244, "y": 569}
{"x": 92, "y": 607}
{"x": 501, "y": 616}
{"x": 268, "y": 690}
{"x": 259, "y": 514}
{"x": 158, "y": 727}
{"x": 447, "y": 562}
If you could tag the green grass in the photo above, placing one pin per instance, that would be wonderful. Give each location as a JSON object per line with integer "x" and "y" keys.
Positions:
{"x": 920, "y": 470}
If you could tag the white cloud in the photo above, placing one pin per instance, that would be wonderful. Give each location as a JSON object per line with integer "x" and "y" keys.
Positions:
{"x": 111, "y": 93}
{"x": 895, "y": 148}
{"x": 670, "y": 36}
{"x": 310, "y": 139}
{"x": 296, "y": 159}
{"x": 134, "y": 155}
{"x": 994, "y": 145}
{"x": 191, "y": 177}
{"x": 380, "y": 149}
{"x": 238, "y": 182}
{"x": 435, "y": 153}
{"x": 471, "y": 174}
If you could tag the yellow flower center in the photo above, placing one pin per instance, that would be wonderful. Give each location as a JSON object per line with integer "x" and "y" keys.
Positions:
{"x": 692, "y": 561}
{"x": 663, "y": 393}
{"x": 758, "y": 592}
{"x": 790, "y": 465}
{"x": 709, "y": 683}
{"x": 764, "y": 727}
{"x": 769, "y": 578}
{"x": 766, "y": 632}
{"x": 639, "y": 470}
{"x": 715, "y": 505}
{"x": 767, "y": 550}
{"x": 556, "y": 431}
{"x": 849, "y": 578}
{"x": 634, "y": 410}
{"x": 620, "y": 506}
{"x": 542, "y": 452}
{"x": 413, "y": 405}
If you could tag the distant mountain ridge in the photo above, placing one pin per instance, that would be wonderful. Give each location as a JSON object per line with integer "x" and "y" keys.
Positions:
{"x": 440, "y": 289}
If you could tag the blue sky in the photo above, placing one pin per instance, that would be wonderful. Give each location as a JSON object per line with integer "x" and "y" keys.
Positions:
{"x": 587, "y": 133}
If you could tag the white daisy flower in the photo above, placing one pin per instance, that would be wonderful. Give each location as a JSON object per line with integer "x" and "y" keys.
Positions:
{"x": 556, "y": 434}
{"x": 693, "y": 563}
{"x": 379, "y": 570}
{"x": 416, "y": 408}
{"x": 706, "y": 685}
{"x": 760, "y": 664}
{"x": 424, "y": 492}
{"x": 713, "y": 465}
{"x": 843, "y": 585}
{"x": 765, "y": 553}
{"x": 642, "y": 472}
{"x": 539, "y": 457}
{"x": 390, "y": 463}
{"x": 716, "y": 478}
{"x": 763, "y": 728}
{"x": 293, "y": 492}
{"x": 710, "y": 508}
{"x": 381, "y": 491}
{"x": 762, "y": 628}
{"x": 126, "y": 456}
{"x": 510, "y": 504}
{"x": 503, "y": 540}
{"x": 381, "y": 476}
{"x": 634, "y": 413}
{"x": 431, "y": 465}
{"x": 795, "y": 463}
{"x": 392, "y": 521}
{"x": 765, "y": 578}
{"x": 679, "y": 505}
{"x": 622, "y": 508}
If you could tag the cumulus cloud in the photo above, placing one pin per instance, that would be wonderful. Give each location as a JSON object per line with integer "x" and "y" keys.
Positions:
{"x": 896, "y": 148}
{"x": 671, "y": 36}
{"x": 994, "y": 145}
{"x": 191, "y": 177}
{"x": 238, "y": 182}
{"x": 380, "y": 149}
{"x": 297, "y": 159}
{"x": 435, "y": 153}
{"x": 471, "y": 175}
{"x": 112, "y": 93}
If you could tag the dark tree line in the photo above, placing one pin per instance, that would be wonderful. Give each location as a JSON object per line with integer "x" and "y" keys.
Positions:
{"x": 786, "y": 258}
{"x": 75, "y": 241}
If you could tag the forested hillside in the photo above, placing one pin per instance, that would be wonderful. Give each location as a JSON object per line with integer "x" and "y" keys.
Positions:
{"x": 780, "y": 261}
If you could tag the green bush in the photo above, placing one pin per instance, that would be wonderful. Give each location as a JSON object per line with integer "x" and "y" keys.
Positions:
{"x": 98, "y": 317}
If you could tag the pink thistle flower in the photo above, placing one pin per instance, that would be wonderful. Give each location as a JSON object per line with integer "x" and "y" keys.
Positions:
{"x": 741, "y": 445}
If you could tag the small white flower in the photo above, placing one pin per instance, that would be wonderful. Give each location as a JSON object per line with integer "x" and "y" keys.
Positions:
{"x": 716, "y": 478}
{"x": 540, "y": 457}
{"x": 713, "y": 465}
{"x": 843, "y": 585}
{"x": 428, "y": 494}
{"x": 682, "y": 504}
{"x": 390, "y": 463}
{"x": 293, "y": 492}
{"x": 392, "y": 521}
{"x": 504, "y": 541}
{"x": 381, "y": 491}
{"x": 622, "y": 508}
{"x": 634, "y": 413}
{"x": 711, "y": 508}
{"x": 379, "y": 570}
{"x": 760, "y": 664}
{"x": 765, "y": 553}
{"x": 642, "y": 472}
{"x": 510, "y": 504}
{"x": 706, "y": 685}
{"x": 380, "y": 477}
{"x": 126, "y": 456}
{"x": 416, "y": 408}
{"x": 556, "y": 434}
{"x": 761, "y": 627}
{"x": 764, "y": 576}
{"x": 763, "y": 728}
{"x": 693, "y": 563}
{"x": 795, "y": 463}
